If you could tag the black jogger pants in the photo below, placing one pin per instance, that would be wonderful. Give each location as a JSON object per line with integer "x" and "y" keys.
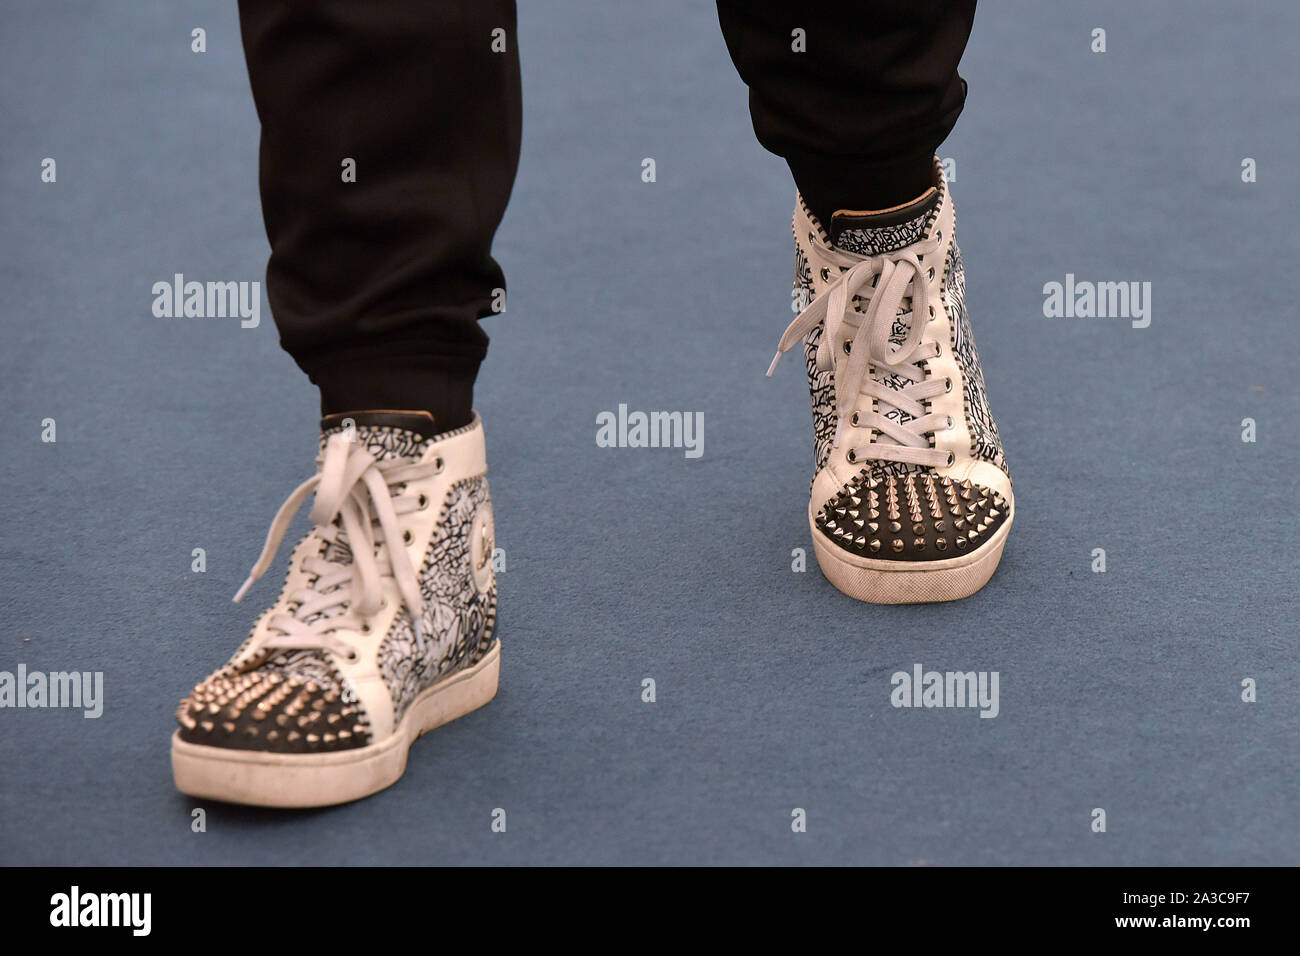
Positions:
{"x": 390, "y": 139}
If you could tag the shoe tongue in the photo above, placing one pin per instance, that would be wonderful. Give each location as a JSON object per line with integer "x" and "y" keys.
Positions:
{"x": 389, "y": 436}
{"x": 871, "y": 233}
{"x": 386, "y": 434}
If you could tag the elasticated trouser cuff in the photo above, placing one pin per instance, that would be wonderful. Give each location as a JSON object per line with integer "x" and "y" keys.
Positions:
{"x": 856, "y": 105}
{"x": 830, "y": 183}
{"x": 389, "y": 378}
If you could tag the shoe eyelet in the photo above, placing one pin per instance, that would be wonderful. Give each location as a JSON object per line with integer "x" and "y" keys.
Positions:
{"x": 352, "y": 656}
{"x": 365, "y": 628}
{"x": 854, "y": 419}
{"x": 848, "y": 346}
{"x": 951, "y": 460}
{"x": 852, "y": 456}
{"x": 826, "y": 274}
{"x": 423, "y": 501}
{"x": 947, "y": 385}
{"x": 932, "y": 312}
{"x": 931, "y": 272}
{"x": 950, "y": 423}
{"x": 407, "y": 537}
{"x": 440, "y": 463}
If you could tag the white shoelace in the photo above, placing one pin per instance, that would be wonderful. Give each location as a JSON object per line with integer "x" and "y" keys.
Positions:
{"x": 885, "y": 281}
{"x": 361, "y": 492}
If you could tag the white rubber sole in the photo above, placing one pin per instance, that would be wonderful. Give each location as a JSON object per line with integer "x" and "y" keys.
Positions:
{"x": 321, "y": 780}
{"x": 900, "y": 582}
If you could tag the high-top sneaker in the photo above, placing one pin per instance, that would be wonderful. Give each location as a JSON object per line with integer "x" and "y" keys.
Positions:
{"x": 383, "y": 629}
{"x": 911, "y": 497}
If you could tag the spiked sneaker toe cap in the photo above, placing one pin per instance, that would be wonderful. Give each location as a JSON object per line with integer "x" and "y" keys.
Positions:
{"x": 272, "y": 711}
{"x": 917, "y": 517}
